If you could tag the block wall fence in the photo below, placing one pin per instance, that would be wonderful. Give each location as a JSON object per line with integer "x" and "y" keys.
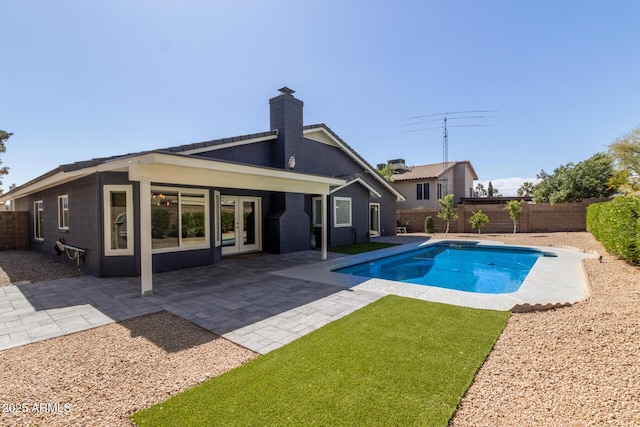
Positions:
{"x": 14, "y": 230}
{"x": 537, "y": 218}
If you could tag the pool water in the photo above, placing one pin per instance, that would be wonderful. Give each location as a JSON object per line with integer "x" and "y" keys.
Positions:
{"x": 465, "y": 267}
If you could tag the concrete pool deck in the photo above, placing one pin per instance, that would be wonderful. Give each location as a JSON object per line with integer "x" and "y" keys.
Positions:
{"x": 552, "y": 282}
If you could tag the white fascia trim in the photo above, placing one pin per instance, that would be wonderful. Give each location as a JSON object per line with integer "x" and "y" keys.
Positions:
{"x": 228, "y": 145}
{"x": 207, "y": 164}
{"x": 63, "y": 177}
{"x": 309, "y": 133}
{"x": 376, "y": 175}
{"x": 372, "y": 191}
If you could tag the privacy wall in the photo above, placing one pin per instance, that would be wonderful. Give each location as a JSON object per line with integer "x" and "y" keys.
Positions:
{"x": 537, "y": 218}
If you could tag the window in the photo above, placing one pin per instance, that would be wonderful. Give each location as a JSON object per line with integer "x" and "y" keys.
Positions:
{"x": 374, "y": 219}
{"x": 342, "y": 209}
{"x": 439, "y": 191}
{"x": 422, "y": 191}
{"x": 38, "y": 220}
{"x": 179, "y": 219}
{"x": 63, "y": 212}
{"x": 118, "y": 220}
{"x": 317, "y": 212}
{"x": 218, "y": 228}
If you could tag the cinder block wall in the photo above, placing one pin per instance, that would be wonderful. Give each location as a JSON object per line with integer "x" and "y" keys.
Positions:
{"x": 14, "y": 230}
{"x": 537, "y": 218}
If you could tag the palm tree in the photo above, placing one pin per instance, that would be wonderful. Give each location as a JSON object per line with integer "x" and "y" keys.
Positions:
{"x": 526, "y": 189}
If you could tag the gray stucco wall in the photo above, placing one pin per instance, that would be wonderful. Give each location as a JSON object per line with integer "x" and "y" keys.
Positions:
{"x": 358, "y": 232}
{"x": 321, "y": 159}
{"x": 83, "y": 223}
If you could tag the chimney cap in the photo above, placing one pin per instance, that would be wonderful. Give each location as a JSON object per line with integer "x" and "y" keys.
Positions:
{"x": 285, "y": 90}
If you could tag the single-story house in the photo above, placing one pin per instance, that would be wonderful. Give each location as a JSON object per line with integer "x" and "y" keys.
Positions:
{"x": 422, "y": 185}
{"x": 190, "y": 205}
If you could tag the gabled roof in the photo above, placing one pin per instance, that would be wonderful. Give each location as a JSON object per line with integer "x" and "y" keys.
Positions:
{"x": 330, "y": 137}
{"x": 223, "y": 142}
{"x": 430, "y": 171}
{"x": 71, "y": 171}
{"x": 356, "y": 178}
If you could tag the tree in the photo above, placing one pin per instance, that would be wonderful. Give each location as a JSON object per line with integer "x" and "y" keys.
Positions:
{"x": 447, "y": 211}
{"x": 4, "y": 136}
{"x": 490, "y": 189}
{"x": 572, "y": 183}
{"x": 625, "y": 150}
{"x": 515, "y": 211}
{"x": 387, "y": 172}
{"x": 480, "y": 190}
{"x": 526, "y": 189}
{"x": 478, "y": 220}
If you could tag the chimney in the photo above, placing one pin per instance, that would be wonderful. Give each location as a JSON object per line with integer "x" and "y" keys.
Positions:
{"x": 286, "y": 117}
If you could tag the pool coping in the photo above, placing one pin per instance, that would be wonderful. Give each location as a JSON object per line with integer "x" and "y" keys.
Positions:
{"x": 554, "y": 281}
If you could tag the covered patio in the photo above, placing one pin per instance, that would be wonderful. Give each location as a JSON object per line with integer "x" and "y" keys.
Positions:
{"x": 169, "y": 168}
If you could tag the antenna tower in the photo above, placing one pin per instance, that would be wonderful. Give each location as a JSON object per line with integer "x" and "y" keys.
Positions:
{"x": 458, "y": 115}
{"x": 445, "y": 157}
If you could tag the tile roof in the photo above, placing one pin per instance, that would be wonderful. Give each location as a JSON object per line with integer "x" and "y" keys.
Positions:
{"x": 433, "y": 170}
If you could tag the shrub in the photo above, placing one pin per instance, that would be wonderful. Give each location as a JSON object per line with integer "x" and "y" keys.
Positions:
{"x": 616, "y": 224}
{"x": 478, "y": 220}
{"x": 429, "y": 225}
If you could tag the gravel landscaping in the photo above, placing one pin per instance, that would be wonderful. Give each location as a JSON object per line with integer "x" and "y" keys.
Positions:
{"x": 576, "y": 365}
{"x": 26, "y": 266}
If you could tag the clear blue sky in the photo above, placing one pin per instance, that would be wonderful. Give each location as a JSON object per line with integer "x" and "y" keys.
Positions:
{"x": 84, "y": 79}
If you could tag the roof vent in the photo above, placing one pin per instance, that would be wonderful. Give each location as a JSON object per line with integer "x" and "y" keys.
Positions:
{"x": 285, "y": 90}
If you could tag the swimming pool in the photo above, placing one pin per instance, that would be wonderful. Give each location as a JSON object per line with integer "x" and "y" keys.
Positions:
{"x": 455, "y": 265}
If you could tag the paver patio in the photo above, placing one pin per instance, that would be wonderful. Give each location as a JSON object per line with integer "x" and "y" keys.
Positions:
{"x": 238, "y": 299}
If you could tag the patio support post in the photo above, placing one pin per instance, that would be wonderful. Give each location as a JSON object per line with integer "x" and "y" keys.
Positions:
{"x": 324, "y": 227}
{"x": 146, "y": 268}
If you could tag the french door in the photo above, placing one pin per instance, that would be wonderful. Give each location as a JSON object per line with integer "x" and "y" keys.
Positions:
{"x": 240, "y": 222}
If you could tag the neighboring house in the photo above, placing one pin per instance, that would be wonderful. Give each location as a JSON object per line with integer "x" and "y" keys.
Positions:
{"x": 190, "y": 205}
{"x": 423, "y": 185}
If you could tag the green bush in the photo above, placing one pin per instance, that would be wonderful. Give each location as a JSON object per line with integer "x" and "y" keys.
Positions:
{"x": 429, "y": 225}
{"x": 616, "y": 224}
{"x": 478, "y": 220}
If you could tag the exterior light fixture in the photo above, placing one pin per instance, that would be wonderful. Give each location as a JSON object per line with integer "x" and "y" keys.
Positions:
{"x": 292, "y": 162}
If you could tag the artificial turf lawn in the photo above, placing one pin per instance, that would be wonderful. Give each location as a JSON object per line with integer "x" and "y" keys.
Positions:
{"x": 358, "y": 248}
{"x": 397, "y": 361}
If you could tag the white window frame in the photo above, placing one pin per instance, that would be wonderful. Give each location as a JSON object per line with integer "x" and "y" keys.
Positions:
{"x": 379, "y": 225}
{"x": 106, "y": 197}
{"x": 314, "y": 213}
{"x": 207, "y": 219}
{"x": 217, "y": 219}
{"x": 36, "y": 220}
{"x": 63, "y": 221}
{"x": 337, "y": 199}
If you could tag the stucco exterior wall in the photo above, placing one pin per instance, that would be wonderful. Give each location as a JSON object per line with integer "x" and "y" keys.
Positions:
{"x": 84, "y": 227}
